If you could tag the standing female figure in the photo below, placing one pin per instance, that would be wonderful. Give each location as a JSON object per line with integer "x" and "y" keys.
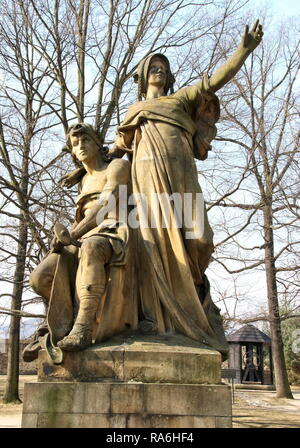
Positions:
{"x": 164, "y": 133}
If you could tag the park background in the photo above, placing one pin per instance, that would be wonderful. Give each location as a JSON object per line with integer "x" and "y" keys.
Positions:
{"x": 63, "y": 61}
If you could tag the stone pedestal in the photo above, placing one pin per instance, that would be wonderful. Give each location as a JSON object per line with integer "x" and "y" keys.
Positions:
{"x": 130, "y": 382}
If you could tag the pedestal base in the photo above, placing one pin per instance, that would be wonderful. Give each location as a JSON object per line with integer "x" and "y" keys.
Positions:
{"x": 121, "y": 405}
{"x": 132, "y": 381}
{"x": 149, "y": 359}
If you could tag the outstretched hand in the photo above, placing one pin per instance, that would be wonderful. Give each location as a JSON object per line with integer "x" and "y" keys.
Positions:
{"x": 253, "y": 38}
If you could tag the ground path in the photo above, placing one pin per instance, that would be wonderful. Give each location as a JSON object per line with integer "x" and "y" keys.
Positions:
{"x": 11, "y": 414}
{"x": 261, "y": 409}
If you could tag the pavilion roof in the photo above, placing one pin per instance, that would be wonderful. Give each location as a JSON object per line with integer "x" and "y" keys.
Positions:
{"x": 249, "y": 333}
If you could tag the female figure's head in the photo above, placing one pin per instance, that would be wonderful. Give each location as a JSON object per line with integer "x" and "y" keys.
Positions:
{"x": 157, "y": 73}
{"x": 154, "y": 73}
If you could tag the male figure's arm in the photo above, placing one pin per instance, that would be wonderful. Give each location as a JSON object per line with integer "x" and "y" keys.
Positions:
{"x": 123, "y": 143}
{"x": 118, "y": 173}
{"x": 116, "y": 152}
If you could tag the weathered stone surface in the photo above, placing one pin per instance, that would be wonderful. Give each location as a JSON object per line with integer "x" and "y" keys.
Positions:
{"x": 109, "y": 405}
{"x": 127, "y": 398}
{"x": 30, "y": 420}
{"x": 188, "y": 399}
{"x": 132, "y": 381}
{"x": 132, "y": 357}
{"x": 170, "y": 421}
{"x": 223, "y": 422}
{"x": 65, "y": 420}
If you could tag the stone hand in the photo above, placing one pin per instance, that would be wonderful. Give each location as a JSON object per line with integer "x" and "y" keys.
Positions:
{"x": 115, "y": 152}
{"x": 63, "y": 235}
{"x": 74, "y": 236}
{"x": 252, "y": 39}
{"x": 56, "y": 245}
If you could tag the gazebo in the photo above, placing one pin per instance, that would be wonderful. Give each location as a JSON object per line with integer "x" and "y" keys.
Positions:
{"x": 248, "y": 348}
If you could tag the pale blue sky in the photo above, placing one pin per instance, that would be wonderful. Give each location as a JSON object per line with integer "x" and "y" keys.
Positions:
{"x": 283, "y": 7}
{"x": 280, "y": 9}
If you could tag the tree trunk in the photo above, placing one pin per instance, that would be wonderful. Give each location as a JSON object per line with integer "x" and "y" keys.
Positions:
{"x": 12, "y": 384}
{"x": 283, "y": 389}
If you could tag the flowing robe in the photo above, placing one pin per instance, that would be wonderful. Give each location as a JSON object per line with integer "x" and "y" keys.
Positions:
{"x": 173, "y": 289}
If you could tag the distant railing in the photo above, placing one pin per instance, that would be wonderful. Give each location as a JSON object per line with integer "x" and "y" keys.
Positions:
{"x": 229, "y": 374}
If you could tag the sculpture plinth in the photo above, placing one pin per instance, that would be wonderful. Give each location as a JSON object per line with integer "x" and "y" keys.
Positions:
{"x": 132, "y": 381}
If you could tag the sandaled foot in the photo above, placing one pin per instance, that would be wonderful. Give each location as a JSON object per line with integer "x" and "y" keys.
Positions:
{"x": 76, "y": 341}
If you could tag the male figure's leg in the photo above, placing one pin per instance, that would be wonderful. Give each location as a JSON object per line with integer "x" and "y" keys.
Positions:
{"x": 96, "y": 252}
{"x": 42, "y": 276}
{"x": 40, "y": 281}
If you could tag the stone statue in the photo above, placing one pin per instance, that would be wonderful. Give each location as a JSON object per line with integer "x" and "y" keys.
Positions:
{"x": 157, "y": 283}
{"x": 163, "y": 133}
{"x": 84, "y": 285}
{"x": 142, "y": 271}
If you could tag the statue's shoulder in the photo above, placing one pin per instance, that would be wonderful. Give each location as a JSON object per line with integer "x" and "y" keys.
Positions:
{"x": 119, "y": 164}
{"x": 120, "y": 170}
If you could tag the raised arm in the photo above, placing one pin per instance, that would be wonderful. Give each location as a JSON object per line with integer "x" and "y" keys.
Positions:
{"x": 228, "y": 70}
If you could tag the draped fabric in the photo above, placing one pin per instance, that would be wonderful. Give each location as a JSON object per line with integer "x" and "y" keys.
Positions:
{"x": 119, "y": 312}
{"x": 173, "y": 289}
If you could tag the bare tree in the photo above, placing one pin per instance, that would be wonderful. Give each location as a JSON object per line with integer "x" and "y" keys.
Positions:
{"x": 257, "y": 186}
{"x": 23, "y": 125}
{"x": 66, "y": 60}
